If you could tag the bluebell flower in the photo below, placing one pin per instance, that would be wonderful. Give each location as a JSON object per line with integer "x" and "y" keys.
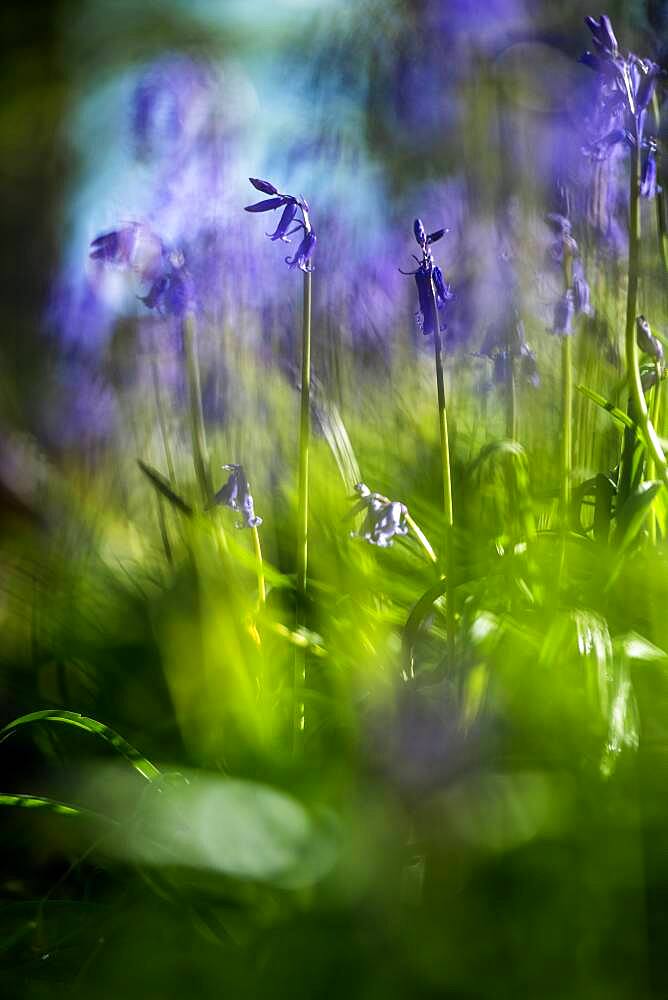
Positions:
{"x": 564, "y": 314}
{"x": 433, "y": 292}
{"x": 581, "y": 293}
{"x": 647, "y": 342}
{"x": 504, "y": 344}
{"x": 288, "y": 223}
{"x": 383, "y": 520}
{"x": 236, "y": 495}
{"x": 135, "y": 247}
{"x": 648, "y": 180}
{"x": 627, "y": 84}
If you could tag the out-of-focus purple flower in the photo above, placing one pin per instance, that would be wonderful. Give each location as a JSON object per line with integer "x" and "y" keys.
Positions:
{"x": 648, "y": 181}
{"x": 581, "y": 293}
{"x": 137, "y": 248}
{"x": 504, "y": 344}
{"x": 291, "y": 205}
{"x": 603, "y": 36}
{"x": 564, "y": 314}
{"x": 647, "y": 342}
{"x": 383, "y": 520}
{"x": 236, "y": 495}
{"x": 433, "y": 293}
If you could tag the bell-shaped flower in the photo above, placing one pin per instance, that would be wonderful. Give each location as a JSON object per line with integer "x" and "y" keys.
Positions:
{"x": 383, "y": 519}
{"x": 647, "y": 342}
{"x": 288, "y": 223}
{"x": 236, "y": 495}
{"x": 433, "y": 292}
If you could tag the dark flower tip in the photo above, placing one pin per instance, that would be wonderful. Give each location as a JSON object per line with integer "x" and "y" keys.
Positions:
{"x": 265, "y": 186}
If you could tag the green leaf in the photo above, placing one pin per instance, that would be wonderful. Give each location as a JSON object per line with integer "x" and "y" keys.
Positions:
{"x": 44, "y": 804}
{"x": 631, "y": 516}
{"x": 121, "y": 746}
{"x": 605, "y": 404}
{"x": 164, "y": 487}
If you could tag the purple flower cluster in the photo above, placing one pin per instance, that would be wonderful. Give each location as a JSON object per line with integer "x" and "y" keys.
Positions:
{"x": 626, "y": 86}
{"x": 162, "y": 270}
{"x": 433, "y": 293}
{"x": 288, "y": 223}
{"x": 236, "y": 495}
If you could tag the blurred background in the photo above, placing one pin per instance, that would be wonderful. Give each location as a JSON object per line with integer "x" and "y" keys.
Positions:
{"x": 490, "y": 827}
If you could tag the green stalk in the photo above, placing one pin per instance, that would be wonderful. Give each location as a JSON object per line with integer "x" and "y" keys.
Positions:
{"x": 511, "y": 400}
{"x": 660, "y": 198}
{"x": 447, "y": 484}
{"x": 302, "y": 503}
{"x": 261, "y": 588}
{"x": 651, "y": 466}
{"x": 566, "y": 404}
{"x": 638, "y": 401}
{"x": 200, "y": 454}
{"x": 162, "y": 423}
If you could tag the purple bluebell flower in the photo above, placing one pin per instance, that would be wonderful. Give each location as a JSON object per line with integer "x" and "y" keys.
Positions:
{"x": 647, "y": 342}
{"x": 291, "y": 205}
{"x": 433, "y": 293}
{"x": 603, "y": 36}
{"x": 648, "y": 181}
{"x": 383, "y": 520}
{"x": 135, "y": 247}
{"x": 581, "y": 292}
{"x": 564, "y": 314}
{"x": 236, "y": 495}
{"x": 504, "y": 344}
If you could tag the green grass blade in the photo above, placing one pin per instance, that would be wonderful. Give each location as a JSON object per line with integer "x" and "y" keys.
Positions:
{"x": 121, "y": 746}
{"x": 44, "y": 804}
{"x": 164, "y": 488}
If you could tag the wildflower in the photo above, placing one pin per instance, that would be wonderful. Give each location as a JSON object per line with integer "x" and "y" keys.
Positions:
{"x": 138, "y": 249}
{"x": 648, "y": 182}
{"x": 581, "y": 293}
{"x": 564, "y": 313}
{"x": 647, "y": 342}
{"x": 504, "y": 344}
{"x": 384, "y": 519}
{"x": 288, "y": 223}
{"x": 236, "y": 495}
{"x": 433, "y": 292}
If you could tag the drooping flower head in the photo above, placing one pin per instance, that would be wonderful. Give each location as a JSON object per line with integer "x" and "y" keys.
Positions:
{"x": 648, "y": 342}
{"x": 159, "y": 268}
{"x": 295, "y": 218}
{"x": 626, "y": 86}
{"x": 236, "y": 495}
{"x": 383, "y": 520}
{"x": 433, "y": 292}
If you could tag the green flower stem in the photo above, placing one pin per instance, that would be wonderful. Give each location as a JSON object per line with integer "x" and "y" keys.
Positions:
{"x": 638, "y": 401}
{"x": 660, "y": 198}
{"x": 162, "y": 422}
{"x": 511, "y": 401}
{"x": 447, "y": 485}
{"x": 261, "y": 588}
{"x": 566, "y": 404}
{"x": 421, "y": 537}
{"x": 200, "y": 454}
{"x": 302, "y": 504}
{"x": 655, "y": 417}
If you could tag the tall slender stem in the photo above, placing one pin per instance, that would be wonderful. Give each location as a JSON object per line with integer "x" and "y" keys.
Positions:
{"x": 448, "y": 509}
{"x": 660, "y": 197}
{"x": 637, "y": 395}
{"x": 200, "y": 454}
{"x": 302, "y": 503}
{"x": 566, "y": 402}
{"x": 655, "y": 417}
{"x": 162, "y": 423}
{"x": 261, "y": 589}
{"x": 567, "y": 425}
{"x": 511, "y": 399}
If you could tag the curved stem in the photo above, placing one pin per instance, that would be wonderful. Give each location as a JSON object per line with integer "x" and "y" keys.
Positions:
{"x": 567, "y": 425}
{"x": 651, "y": 466}
{"x": 511, "y": 400}
{"x": 302, "y": 506}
